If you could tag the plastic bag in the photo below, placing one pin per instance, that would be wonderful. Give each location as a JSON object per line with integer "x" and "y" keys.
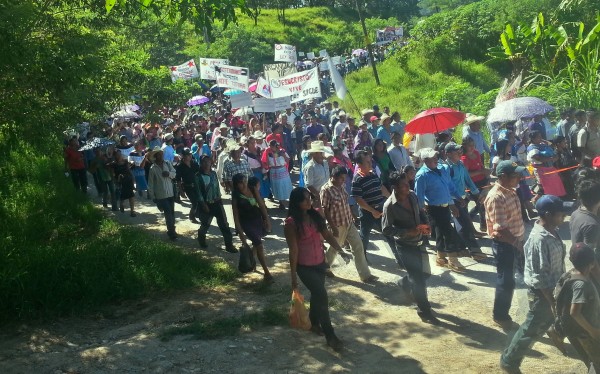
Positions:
{"x": 247, "y": 262}
{"x": 298, "y": 314}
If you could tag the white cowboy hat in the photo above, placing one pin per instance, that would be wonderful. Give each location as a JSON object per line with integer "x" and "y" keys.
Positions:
{"x": 232, "y": 145}
{"x": 223, "y": 126}
{"x": 364, "y": 112}
{"x": 427, "y": 153}
{"x": 472, "y": 118}
{"x": 259, "y": 135}
{"x": 153, "y": 153}
{"x": 318, "y": 146}
{"x": 384, "y": 117}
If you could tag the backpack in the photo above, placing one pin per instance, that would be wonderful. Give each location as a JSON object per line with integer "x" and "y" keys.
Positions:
{"x": 564, "y": 324}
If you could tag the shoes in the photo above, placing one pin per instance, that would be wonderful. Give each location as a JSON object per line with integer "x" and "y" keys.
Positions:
{"x": 132, "y": 214}
{"x": 556, "y": 340}
{"x": 316, "y": 329}
{"x": 194, "y": 220}
{"x": 441, "y": 262}
{"x": 231, "y": 249}
{"x": 371, "y": 279}
{"x": 455, "y": 265}
{"x": 335, "y": 343}
{"x": 202, "y": 243}
{"x": 509, "y": 369}
{"x": 429, "y": 318}
{"x": 329, "y": 274}
{"x": 505, "y": 324}
{"x": 479, "y": 256}
{"x": 268, "y": 279}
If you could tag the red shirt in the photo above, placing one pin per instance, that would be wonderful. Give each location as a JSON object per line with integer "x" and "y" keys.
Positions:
{"x": 278, "y": 137}
{"x": 310, "y": 249}
{"x": 74, "y": 159}
{"x": 474, "y": 164}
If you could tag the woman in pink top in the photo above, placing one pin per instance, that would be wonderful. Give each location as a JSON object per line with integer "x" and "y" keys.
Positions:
{"x": 303, "y": 230}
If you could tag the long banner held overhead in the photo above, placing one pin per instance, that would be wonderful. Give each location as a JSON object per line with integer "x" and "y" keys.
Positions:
{"x": 232, "y": 77}
{"x": 300, "y": 86}
{"x": 273, "y": 71}
{"x": 285, "y": 52}
{"x": 207, "y": 67}
{"x": 184, "y": 71}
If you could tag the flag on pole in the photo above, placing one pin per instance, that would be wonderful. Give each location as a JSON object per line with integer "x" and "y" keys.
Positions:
{"x": 184, "y": 71}
{"x": 338, "y": 81}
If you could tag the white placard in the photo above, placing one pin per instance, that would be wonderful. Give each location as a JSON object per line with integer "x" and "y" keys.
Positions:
{"x": 310, "y": 55}
{"x": 300, "y": 86}
{"x": 285, "y": 52}
{"x": 337, "y": 60}
{"x": 271, "y": 105}
{"x": 263, "y": 88}
{"x": 241, "y": 100}
{"x": 207, "y": 67}
{"x": 323, "y": 66}
{"x": 232, "y": 77}
{"x": 323, "y": 53}
{"x": 273, "y": 71}
{"x": 300, "y": 54}
{"x": 184, "y": 71}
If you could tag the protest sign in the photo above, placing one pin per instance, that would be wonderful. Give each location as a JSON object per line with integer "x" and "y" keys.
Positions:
{"x": 207, "y": 67}
{"x": 263, "y": 88}
{"x": 300, "y": 86}
{"x": 271, "y": 105}
{"x": 285, "y": 52}
{"x": 337, "y": 60}
{"x": 184, "y": 71}
{"x": 273, "y": 71}
{"x": 241, "y": 100}
{"x": 300, "y": 54}
{"x": 323, "y": 53}
{"x": 310, "y": 55}
{"x": 323, "y": 66}
{"x": 232, "y": 77}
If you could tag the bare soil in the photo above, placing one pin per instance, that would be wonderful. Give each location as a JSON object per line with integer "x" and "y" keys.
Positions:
{"x": 381, "y": 331}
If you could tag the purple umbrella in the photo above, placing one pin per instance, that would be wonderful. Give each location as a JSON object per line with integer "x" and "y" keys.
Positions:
{"x": 198, "y": 100}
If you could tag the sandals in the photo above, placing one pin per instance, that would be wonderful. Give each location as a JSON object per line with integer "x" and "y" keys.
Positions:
{"x": 479, "y": 256}
{"x": 441, "y": 262}
{"x": 456, "y": 266}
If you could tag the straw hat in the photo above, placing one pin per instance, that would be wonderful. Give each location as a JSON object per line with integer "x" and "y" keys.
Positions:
{"x": 153, "y": 153}
{"x": 258, "y": 135}
{"x": 319, "y": 147}
{"x": 472, "y": 118}
{"x": 366, "y": 111}
{"x": 384, "y": 117}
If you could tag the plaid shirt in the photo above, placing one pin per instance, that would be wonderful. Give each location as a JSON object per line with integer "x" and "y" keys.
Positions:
{"x": 335, "y": 201}
{"x": 231, "y": 168}
{"x": 544, "y": 258}
{"x": 503, "y": 211}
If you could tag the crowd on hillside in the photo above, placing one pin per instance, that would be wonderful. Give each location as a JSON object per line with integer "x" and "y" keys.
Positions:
{"x": 339, "y": 178}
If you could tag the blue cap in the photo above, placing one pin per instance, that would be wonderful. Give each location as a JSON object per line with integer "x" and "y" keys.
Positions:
{"x": 549, "y": 204}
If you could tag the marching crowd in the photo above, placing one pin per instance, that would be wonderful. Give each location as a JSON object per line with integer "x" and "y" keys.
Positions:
{"x": 356, "y": 175}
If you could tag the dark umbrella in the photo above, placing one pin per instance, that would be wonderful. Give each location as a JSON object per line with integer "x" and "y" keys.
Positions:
{"x": 217, "y": 88}
{"x": 434, "y": 120}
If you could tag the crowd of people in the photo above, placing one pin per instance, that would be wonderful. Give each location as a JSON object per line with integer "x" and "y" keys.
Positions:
{"x": 339, "y": 178}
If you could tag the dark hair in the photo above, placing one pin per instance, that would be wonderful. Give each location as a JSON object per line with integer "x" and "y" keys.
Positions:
{"x": 297, "y": 196}
{"x": 580, "y": 113}
{"x": 467, "y": 139}
{"x": 567, "y": 111}
{"x": 339, "y": 170}
{"x": 275, "y": 127}
{"x": 587, "y": 192}
{"x": 377, "y": 141}
{"x": 360, "y": 155}
{"x": 237, "y": 179}
{"x": 581, "y": 256}
{"x": 407, "y": 168}
{"x": 533, "y": 134}
{"x": 338, "y": 150}
{"x": 559, "y": 139}
{"x": 501, "y": 148}
{"x": 253, "y": 182}
{"x": 396, "y": 177}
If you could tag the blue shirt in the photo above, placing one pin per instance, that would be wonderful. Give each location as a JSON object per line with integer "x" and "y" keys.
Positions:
{"x": 480, "y": 144}
{"x": 197, "y": 153}
{"x": 384, "y": 135}
{"x": 372, "y": 130}
{"x": 435, "y": 187}
{"x": 460, "y": 177}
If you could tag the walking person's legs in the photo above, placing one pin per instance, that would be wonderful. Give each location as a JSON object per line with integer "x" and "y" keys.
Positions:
{"x": 505, "y": 280}
{"x": 217, "y": 210}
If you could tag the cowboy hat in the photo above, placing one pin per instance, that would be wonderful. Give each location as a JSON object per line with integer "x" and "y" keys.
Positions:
{"x": 223, "y": 126}
{"x": 259, "y": 135}
{"x": 384, "y": 117}
{"x": 231, "y": 145}
{"x": 168, "y": 137}
{"x": 318, "y": 146}
{"x": 153, "y": 153}
{"x": 472, "y": 118}
{"x": 366, "y": 111}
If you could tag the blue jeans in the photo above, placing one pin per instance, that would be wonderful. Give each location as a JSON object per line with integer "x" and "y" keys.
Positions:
{"x": 167, "y": 205}
{"x": 505, "y": 282}
{"x": 539, "y": 319}
{"x": 413, "y": 259}
{"x": 367, "y": 222}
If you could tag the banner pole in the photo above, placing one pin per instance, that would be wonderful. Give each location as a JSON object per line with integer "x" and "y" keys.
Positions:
{"x": 353, "y": 102}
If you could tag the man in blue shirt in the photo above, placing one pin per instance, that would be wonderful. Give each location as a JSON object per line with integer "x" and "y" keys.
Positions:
{"x": 436, "y": 193}
{"x": 463, "y": 184}
{"x": 384, "y": 132}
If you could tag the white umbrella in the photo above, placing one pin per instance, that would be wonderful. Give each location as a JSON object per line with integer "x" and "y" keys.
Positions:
{"x": 517, "y": 108}
{"x": 243, "y": 111}
{"x": 125, "y": 114}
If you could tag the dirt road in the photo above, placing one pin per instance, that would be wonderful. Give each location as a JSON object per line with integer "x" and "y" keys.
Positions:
{"x": 381, "y": 332}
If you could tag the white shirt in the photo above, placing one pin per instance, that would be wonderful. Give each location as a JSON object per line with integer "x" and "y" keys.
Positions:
{"x": 399, "y": 156}
{"x": 339, "y": 128}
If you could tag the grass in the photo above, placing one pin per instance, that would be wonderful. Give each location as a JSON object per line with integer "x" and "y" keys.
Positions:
{"x": 60, "y": 255}
{"x": 230, "y": 326}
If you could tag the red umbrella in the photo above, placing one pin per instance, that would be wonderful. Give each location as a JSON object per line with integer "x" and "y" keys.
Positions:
{"x": 434, "y": 120}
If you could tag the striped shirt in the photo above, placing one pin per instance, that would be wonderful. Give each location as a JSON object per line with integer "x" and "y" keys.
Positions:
{"x": 368, "y": 187}
{"x": 503, "y": 211}
{"x": 544, "y": 258}
{"x": 335, "y": 201}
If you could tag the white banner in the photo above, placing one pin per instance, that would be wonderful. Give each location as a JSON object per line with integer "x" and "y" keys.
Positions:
{"x": 300, "y": 86}
{"x": 337, "y": 60}
{"x": 323, "y": 53}
{"x": 338, "y": 81}
{"x": 232, "y": 77}
{"x": 310, "y": 55}
{"x": 271, "y": 105}
{"x": 263, "y": 88}
{"x": 273, "y": 71}
{"x": 323, "y": 66}
{"x": 285, "y": 52}
{"x": 207, "y": 67}
{"x": 241, "y": 100}
{"x": 184, "y": 71}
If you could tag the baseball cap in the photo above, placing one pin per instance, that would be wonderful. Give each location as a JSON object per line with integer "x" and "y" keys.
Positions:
{"x": 549, "y": 204}
{"x": 452, "y": 147}
{"x": 374, "y": 118}
{"x": 508, "y": 167}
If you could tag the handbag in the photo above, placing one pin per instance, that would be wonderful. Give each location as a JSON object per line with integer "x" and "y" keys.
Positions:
{"x": 247, "y": 262}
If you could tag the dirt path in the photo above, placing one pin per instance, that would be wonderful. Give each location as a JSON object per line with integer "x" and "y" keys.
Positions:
{"x": 382, "y": 333}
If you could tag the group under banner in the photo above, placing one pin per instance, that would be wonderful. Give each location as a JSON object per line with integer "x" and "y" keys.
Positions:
{"x": 184, "y": 71}
{"x": 207, "y": 67}
{"x": 232, "y": 77}
{"x": 300, "y": 86}
{"x": 285, "y": 52}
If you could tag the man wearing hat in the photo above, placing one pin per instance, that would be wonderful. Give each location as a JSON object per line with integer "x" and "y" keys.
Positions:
{"x": 167, "y": 148}
{"x": 366, "y": 117}
{"x": 544, "y": 265}
{"x": 436, "y": 193}
{"x": 160, "y": 188}
{"x": 384, "y": 132}
{"x": 316, "y": 171}
{"x": 222, "y": 133}
{"x": 235, "y": 165}
{"x": 506, "y": 228}
{"x": 472, "y": 129}
{"x": 373, "y": 126}
{"x": 199, "y": 148}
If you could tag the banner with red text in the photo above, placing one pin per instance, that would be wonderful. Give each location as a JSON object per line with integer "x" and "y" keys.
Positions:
{"x": 300, "y": 86}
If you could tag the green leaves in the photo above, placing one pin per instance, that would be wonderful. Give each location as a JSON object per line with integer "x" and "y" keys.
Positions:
{"x": 109, "y": 4}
